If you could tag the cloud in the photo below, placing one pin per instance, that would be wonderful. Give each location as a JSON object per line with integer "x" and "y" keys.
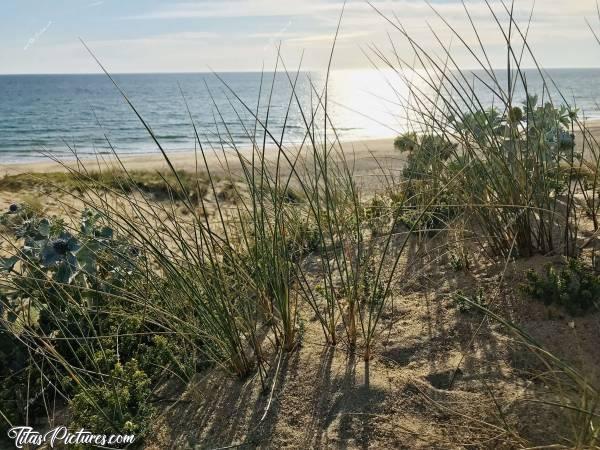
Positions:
{"x": 315, "y": 20}
{"x": 165, "y": 38}
{"x": 239, "y": 8}
{"x": 170, "y": 42}
{"x": 316, "y": 8}
{"x": 328, "y": 37}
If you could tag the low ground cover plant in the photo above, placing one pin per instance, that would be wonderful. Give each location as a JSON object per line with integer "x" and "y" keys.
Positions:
{"x": 73, "y": 326}
{"x": 572, "y": 287}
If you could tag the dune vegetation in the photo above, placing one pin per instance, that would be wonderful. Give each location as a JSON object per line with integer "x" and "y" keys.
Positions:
{"x": 446, "y": 300}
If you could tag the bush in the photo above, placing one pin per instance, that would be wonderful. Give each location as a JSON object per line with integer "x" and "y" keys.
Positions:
{"x": 511, "y": 173}
{"x": 118, "y": 403}
{"x": 431, "y": 206}
{"x": 426, "y": 153}
{"x": 470, "y": 304}
{"x": 73, "y": 294}
{"x": 572, "y": 287}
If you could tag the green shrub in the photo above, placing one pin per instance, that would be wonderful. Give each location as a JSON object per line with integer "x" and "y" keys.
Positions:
{"x": 511, "y": 172}
{"x": 430, "y": 205}
{"x": 377, "y": 215}
{"x": 119, "y": 403}
{"x": 406, "y": 142}
{"x": 73, "y": 294}
{"x": 426, "y": 153}
{"x": 572, "y": 287}
{"x": 459, "y": 260}
{"x": 470, "y": 304}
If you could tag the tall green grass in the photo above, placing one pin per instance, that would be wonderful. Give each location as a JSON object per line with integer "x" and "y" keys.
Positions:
{"x": 513, "y": 173}
{"x": 220, "y": 270}
{"x": 568, "y": 389}
{"x": 512, "y": 165}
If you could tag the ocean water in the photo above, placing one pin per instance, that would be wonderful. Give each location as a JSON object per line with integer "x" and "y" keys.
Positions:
{"x": 60, "y": 113}
{"x": 57, "y": 114}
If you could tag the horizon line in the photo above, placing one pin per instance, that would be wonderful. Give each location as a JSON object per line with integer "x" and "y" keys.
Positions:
{"x": 193, "y": 72}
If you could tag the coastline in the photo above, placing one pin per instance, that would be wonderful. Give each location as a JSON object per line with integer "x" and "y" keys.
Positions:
{"x": 358, "y": 151}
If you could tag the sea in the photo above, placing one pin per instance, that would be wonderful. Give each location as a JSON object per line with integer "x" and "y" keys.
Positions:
{"x": 60, "y": 115}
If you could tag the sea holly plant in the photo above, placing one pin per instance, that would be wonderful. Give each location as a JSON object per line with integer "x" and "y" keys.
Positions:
{"x": 49, "y": 257}
{"x": 72, "y": 284}
{"x": 512, "y": 173}
{"x": 61, "y": 253}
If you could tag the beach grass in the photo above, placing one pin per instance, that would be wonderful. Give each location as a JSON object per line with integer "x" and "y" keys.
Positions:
{"x": 172, "y": 274}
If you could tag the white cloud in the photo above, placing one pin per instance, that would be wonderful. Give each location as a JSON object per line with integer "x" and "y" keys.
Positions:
{"x": 165, "y": 38}
{"x": 557, "y": 28}
{"x": 328, "y": 37}
{"x": 239, "y": 8}
{"x": 404, "y": 8}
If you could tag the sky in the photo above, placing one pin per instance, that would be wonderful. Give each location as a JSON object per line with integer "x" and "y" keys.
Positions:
{"x": 42, "y": 36}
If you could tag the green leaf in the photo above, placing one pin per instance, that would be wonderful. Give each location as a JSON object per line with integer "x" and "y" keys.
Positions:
{"x": 86, "y": 256}
{"x": 44, "y": 227}
{"x": 67, "y": 270}
{"x": 105, "y": 233}
{"x": 8, "y": 263}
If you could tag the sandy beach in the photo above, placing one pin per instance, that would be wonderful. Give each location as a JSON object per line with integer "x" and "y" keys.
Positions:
{"x": 364, "y": 155}
{"x": 360, "y": 152}
{"x": 259, "y": 224}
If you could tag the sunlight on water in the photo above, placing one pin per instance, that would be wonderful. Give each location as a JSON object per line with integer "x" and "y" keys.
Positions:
{"x": 52, "y": 112}
{"x": 368, "y": 100}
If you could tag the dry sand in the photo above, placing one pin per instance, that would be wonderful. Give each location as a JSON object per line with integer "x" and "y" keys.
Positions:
{"x": 365, "y": 156}
{"x": 319, "y": 399}
{"x": 362, "y": 152}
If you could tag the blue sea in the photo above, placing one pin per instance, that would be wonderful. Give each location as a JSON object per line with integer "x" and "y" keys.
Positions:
{"x": 60, "y": 113}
